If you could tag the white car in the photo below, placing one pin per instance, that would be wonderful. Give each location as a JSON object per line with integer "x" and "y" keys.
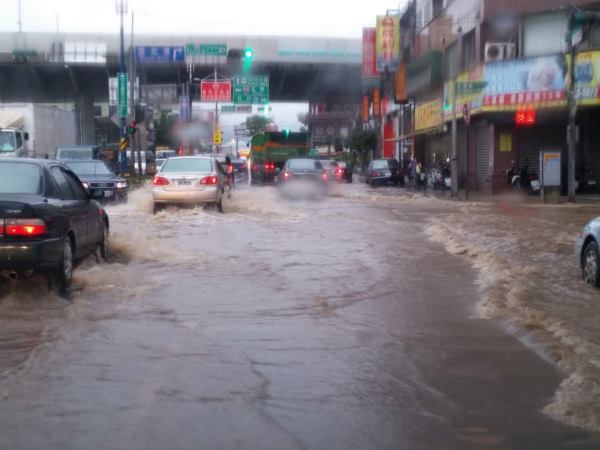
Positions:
{"x": 195, "y": 180}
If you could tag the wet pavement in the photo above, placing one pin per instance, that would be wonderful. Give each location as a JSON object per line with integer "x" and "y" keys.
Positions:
{"x": 347, "y": 323}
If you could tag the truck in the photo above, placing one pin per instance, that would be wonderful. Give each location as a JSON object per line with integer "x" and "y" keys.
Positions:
{"x": 269, "y": 150}
{"x": 34, "y": 130}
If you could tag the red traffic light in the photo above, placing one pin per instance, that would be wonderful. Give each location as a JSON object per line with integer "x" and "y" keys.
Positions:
{"x": 525, "y": 117}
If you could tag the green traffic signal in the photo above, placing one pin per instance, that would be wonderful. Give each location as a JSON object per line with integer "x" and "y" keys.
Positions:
{"x": 248, "y": 53}
{"x": 286, "y": 133}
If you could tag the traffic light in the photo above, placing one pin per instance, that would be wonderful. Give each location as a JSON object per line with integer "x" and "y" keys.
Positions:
{"x": 286, "y": 133}
{"x": 131, "y": 128}
{"x": 248, "y": 55}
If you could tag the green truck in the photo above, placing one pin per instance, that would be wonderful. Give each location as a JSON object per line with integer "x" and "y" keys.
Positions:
{"x": 270, "y": 150}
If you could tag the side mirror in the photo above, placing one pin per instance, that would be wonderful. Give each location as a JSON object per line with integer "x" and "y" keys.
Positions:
{"x": 96, "y": 194}
{"x": 26, "y": 136}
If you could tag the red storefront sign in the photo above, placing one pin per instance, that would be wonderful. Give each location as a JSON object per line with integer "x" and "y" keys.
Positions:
{"x": 369, "y": 53}
{"x": 215, "y": 91}
{"x": 401, "y": 84}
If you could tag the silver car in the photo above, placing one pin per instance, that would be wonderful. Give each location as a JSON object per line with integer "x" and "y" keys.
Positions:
{"x": 188, "y": 180}
{"x": 588, "y": 252}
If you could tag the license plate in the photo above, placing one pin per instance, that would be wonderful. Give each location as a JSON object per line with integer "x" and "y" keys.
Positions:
{"x": 108, "y": 193}
{"x": 184, "y": 182}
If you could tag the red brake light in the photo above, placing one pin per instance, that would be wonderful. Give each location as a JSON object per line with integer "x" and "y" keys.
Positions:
{"x": 286, "y": 174}
{"x": 210, "y": 180}
{"x": 25, "y": 227}
{"x": 324, "y": 174}
{"x": 160, "y": 181}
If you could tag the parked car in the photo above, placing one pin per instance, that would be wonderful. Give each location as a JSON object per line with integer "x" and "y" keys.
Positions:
{"x": 47, "y": 220}
{"x": 70, "y": 152}
{"x": 587, "y": 251}
{"x": 164, "y": 154}
{"x": 384, "y": 171}
{"x": 303, "y": 177}
{"x": 97, "y": 175}
{"x": 190, "y": 180}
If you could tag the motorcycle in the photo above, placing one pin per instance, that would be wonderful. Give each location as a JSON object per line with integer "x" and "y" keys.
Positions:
{"x": 587, "y": 182}
{"x": 522, "y": 179}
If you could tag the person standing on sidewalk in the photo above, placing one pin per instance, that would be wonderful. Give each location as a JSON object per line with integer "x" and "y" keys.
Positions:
{"x": 413, "y": 172}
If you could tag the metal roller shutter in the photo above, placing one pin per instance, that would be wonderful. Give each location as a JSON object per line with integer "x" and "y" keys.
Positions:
{"x": 482, "y": 149}
{"x": 530, "y": 141}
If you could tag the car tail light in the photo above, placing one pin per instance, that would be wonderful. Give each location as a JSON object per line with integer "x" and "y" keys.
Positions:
{"x": 210, "y": 180}
{"x": 324, "y": 175}
{"x": 160, "y": 181}
{"x": 339, "y": 171}
{"x": 287, "y": 175}
{"x": 25, "y": 227}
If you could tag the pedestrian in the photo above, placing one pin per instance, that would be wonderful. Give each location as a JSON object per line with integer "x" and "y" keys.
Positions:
{"x": 230, "y": 173}
{"x": 413, "y": 171}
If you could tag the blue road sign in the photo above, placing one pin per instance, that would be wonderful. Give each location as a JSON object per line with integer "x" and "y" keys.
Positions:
{"x": 157, "y": 54}
{"x": 184, "y": 108}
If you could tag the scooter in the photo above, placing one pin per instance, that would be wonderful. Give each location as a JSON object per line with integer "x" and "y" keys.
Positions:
{"x": 587, "y": 183}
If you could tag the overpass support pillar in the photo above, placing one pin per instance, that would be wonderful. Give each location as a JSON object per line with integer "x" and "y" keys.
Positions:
{"x": 84, "y": 119}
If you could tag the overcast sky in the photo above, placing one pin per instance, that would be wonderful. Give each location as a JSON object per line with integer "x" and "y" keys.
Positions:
{"x": 306, "y": 17}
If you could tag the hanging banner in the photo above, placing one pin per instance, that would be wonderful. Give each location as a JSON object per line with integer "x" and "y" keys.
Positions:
{"x": 365, "y": 108}
{"x": 369, "y": 53}
{"x": 376, "y": 102}
{"x": 388, "y": 42}
{"x": 401, "y": 83}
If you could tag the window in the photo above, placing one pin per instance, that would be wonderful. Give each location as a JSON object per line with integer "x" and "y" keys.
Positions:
{"x": 19, "y": 140}
{"x": 64, "y": 188}
{"x": 469, "y": 49}
{"x": 76, "y": 186}
{"x": 20, "y": 178}
{"x": 595, "y": 35}
{"x": 452, "y": 61}
{"x": 438, "y": 5}
{"x": 187, "y": 165}
{"x": 544, "y": 34}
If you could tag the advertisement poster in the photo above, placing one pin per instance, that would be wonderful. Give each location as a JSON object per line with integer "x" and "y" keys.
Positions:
{"x": 533, "y": 81}
{"x": 388, "y": 42}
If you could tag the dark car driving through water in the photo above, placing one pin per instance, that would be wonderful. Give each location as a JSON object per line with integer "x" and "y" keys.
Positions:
{"x": 303, "y": 177}
{"x": 97, "y": 175}
{"x": 47, "y": 220}
{"x": 384, "y": 171}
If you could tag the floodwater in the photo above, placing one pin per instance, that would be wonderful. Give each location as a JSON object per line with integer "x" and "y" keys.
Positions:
{"x": 372, "y": 319}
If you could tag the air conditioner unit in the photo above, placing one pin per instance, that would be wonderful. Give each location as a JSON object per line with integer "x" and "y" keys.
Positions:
{"x": 497, "y": 51}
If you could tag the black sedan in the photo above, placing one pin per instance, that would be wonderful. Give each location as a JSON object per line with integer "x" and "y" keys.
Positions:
{"x": 383, "y": 171}
{"x": 47, "y": 220}
{"x": 97, "y": 175}
{"x": 303, "y": 177}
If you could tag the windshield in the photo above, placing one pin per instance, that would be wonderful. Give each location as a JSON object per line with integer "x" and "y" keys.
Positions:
{"x": 304, "y": 164}
{"x": 89, "y": 168}
{"x": 187, "y": 165}
{"x": 7, "y": 141}
{"x": 20, "y": 178}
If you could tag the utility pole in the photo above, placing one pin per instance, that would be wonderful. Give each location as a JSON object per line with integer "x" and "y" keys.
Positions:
{"x": 20, "y": 24}
{"x": 453, "y": 156}
{"x": 572, "y": 110}
{"x": 121, "y": 9}
{"x": 135, "y": 136}
{"x": 216, "y": 130}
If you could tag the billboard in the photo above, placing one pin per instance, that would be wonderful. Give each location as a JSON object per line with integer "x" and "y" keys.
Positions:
{"x": 388, "y": 42}
{"x": 428, "y": 115}
{"x": 369, "y": 53}
{"x": 215, "y": 91}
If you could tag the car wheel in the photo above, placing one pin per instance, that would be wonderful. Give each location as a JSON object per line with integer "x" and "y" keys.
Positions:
{"x": 590, "y": 264}
{"x": 63, "y": 276}
{"x": 157, "y": 207}
{"x": 220, "y": 205}
{"x": 104, "y": 243}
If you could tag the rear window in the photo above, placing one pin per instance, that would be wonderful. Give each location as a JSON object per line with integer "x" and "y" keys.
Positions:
{"x": 304, "y": 164}
{"x": 187, "y": 165}
{"x": 380, "y": 164}
{"x": 89, "y": 168}
{"x": 74, "y": 153}
{"x": 20, "y": 178}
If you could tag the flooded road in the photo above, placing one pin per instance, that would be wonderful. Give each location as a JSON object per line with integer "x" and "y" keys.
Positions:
{"x": 363, "y": 321}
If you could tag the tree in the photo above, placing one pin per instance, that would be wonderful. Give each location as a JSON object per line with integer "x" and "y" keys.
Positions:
{"x": 363, "y": 142}
{"x": 257, "y": 123}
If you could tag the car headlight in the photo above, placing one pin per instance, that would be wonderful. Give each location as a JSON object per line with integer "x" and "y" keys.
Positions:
{"x": 121, "y": 184}
{"x": 86, "y": 185}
